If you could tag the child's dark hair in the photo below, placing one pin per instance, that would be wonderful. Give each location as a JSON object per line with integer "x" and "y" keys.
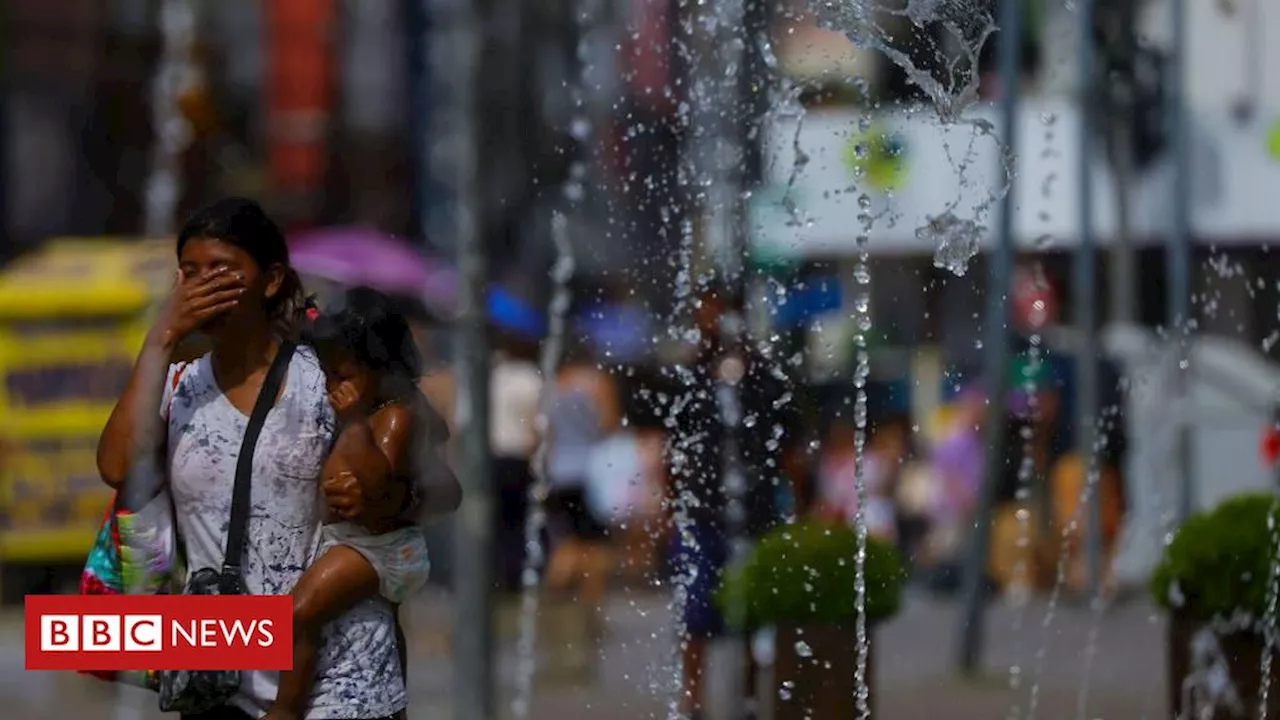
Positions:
{"x": 365, "y": 326}
{"x": 243, "y": 223}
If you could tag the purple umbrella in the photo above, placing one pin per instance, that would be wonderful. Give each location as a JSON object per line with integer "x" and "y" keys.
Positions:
{"x": 363, "y": 256}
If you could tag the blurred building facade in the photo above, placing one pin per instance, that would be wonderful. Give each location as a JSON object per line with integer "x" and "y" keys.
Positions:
{"x": 78, "y": 132}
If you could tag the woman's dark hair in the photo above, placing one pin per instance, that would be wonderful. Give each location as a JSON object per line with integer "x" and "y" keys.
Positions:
{"x": 243, "y": 223}
{"x": 366, "y": 326}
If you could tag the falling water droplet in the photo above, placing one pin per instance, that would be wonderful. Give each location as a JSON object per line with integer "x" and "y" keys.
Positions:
{"x": 955, "y": 240}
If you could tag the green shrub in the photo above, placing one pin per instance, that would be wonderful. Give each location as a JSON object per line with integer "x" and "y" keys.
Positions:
{"x": 1219, "y": 561}
{"x": 805, "y": 573}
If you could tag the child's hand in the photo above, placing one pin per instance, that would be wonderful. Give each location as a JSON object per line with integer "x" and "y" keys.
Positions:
{"x": 345, "y": 495}
{"x": 344, "y": 398}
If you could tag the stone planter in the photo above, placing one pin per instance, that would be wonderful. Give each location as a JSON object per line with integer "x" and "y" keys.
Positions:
{"x": 817, "y": 682}
{"x": 1239, "y": 654}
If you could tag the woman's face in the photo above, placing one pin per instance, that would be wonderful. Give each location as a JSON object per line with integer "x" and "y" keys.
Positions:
{"x": 203, "y": 256}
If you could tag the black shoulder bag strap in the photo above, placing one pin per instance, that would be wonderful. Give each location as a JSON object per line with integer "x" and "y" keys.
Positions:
{"x": 232, "y": 580}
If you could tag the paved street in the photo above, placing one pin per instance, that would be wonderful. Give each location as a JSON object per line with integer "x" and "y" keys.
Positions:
{"x": 914, "y": 655}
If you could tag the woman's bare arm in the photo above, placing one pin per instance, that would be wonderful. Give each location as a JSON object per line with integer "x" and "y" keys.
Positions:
{"x": 134, "y": 429}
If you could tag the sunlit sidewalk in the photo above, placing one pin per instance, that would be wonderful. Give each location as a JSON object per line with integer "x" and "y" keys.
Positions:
{"x": 914, "y": 655}
{"x": 634, "y": 673}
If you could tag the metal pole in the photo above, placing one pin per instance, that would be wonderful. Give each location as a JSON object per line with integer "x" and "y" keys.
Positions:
{"x": 6, "y": 242}
{"x": 1179, "y": 253}
{"x": 416, "y": 14}
{"x": 1085, "y": 295}
{"x": 720, "y": 162}
{"x": 1123, "y": 263}
{"x": 1118, "y": 44}
{"x": 454, "y": 58}
{"x": 178, "y": 19}
{"x": 997, "y": 361}
{"x": 429, "y": 204}
{"x": 719, "y": 152}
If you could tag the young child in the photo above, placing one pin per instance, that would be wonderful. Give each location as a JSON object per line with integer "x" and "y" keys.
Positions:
{"x": 368, "y": 355}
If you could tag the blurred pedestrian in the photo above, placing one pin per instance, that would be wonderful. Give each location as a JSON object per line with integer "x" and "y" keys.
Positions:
{"x": 582, "y": 412}
{"x": 515, "y": 387}
{"x": 1023, "y": 549}
{"x": 700, "y": 554}
{"x": 1072, "y": 485}
{"x": 798, "y": 467}
{"x": 957, "y": 459}
{"x": 625, "y": 491}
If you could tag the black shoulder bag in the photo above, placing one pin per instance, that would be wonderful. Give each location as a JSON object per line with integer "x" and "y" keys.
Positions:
{"x": 197, "y": 691}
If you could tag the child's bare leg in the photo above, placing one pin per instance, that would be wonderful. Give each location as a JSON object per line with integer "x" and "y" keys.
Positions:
{"x": 339, "y": 579}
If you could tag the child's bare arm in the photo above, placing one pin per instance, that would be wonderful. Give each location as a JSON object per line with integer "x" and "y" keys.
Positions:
{"x": 357, "y": 457}
{"x": 357, "y": 451}
{"x": 401, "y": 431}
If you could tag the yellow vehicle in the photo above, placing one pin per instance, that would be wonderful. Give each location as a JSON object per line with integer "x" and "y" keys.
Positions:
{"x": 73, "y": 316}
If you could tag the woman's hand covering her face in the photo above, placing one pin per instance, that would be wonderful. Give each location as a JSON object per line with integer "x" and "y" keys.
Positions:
{"x": 196, "y": 301}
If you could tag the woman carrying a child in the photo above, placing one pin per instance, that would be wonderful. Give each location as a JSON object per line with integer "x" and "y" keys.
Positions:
{"x": 235, "y": 286}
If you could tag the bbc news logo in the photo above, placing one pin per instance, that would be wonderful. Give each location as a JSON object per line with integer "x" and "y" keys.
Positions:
{"x": 145, "y": 633}
{"x": 158, "y": 632}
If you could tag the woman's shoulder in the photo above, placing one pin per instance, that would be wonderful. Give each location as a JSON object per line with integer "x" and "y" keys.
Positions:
{"x": 306, "y": 391}
{"x": 304, "y": 352}
{"x": 191, "y": 373}
{"x": 306, "y": 365}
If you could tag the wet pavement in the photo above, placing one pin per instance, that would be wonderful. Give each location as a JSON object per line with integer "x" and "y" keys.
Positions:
{"x": 914, "y": 655}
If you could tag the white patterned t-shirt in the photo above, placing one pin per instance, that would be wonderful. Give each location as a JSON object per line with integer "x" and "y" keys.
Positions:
{"x": 358, "y": 668}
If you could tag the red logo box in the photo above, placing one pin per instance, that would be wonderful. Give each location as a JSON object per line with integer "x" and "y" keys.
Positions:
{"x": 158, "y": 632}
